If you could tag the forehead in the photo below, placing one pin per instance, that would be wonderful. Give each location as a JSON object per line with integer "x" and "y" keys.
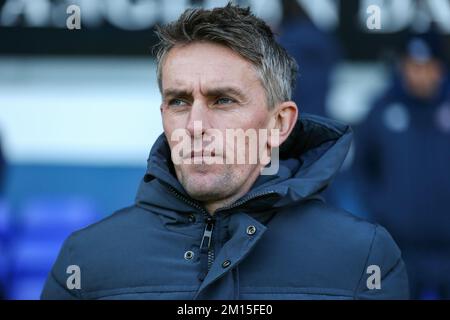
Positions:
{"x": 207, "y": 64}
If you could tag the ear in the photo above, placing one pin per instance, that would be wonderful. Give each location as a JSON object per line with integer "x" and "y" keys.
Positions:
{"x": 284, "y": 116}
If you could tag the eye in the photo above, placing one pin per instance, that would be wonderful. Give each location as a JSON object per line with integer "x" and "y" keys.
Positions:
{"x": 225, "y": 100}
{"x": 177, "y": 103}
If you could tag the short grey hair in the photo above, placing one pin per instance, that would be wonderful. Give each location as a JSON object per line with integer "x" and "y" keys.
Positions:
{"x": 237, "y": 28}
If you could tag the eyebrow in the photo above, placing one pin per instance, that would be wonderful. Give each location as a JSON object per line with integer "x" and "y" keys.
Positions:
{"x": 212, "y": 92}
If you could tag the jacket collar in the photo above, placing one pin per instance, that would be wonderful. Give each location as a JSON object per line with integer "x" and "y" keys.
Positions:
{"x": 309, "y": 160}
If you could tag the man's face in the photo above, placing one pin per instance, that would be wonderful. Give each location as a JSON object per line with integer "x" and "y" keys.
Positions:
{"x": 212, "y": 84}
{"x": 422, "y": 78}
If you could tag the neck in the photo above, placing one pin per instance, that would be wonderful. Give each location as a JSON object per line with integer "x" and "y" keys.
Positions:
{"x": 213, "y": 206}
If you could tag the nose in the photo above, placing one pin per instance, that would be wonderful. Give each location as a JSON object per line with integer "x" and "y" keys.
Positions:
{"x": 198, "y": 121}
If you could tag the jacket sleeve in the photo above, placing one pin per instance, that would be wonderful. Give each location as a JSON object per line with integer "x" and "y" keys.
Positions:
{"x": 384, "y": 263}
{"x": 55, "y": 287}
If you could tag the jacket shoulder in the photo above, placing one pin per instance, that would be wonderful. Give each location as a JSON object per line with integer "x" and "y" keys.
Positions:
{"x": 351, "y": 234}
{"x": 326, "y": 223}
{"x": 350, "y": 248}
{"x": 129, "y": 216}
{"x": 101, "y": 246}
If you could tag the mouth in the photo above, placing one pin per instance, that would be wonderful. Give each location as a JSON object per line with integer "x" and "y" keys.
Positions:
{"x": 202, "y": 154}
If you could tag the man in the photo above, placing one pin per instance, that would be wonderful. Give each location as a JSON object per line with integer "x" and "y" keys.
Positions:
{"x": 403, "y": 155}
{"x": 206, "y": 228}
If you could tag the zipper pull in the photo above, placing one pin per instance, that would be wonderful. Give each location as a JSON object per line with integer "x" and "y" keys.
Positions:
{"x": 207, "y": 234}
{"x": 204, "y": 248}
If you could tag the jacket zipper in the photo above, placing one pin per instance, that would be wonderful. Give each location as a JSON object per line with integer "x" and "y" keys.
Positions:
{"x": 210, "y": 221}
{"x": 207, "y": 236}
{"x": 209, "y": 226}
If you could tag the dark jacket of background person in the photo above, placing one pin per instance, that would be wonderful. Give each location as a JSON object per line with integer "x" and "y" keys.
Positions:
{"x": 279, "y": 241}
{"x": 316, "y": 53}
{"x": 403, "y": 156}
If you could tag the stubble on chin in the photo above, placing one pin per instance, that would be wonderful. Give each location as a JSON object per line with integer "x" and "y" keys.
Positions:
{"x": 205, "y": 186}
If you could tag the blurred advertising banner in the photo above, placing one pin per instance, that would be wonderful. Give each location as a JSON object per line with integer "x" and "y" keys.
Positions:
{"x": 123, "y": 27}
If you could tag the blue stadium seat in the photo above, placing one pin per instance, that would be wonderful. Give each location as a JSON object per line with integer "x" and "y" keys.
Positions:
{"x": 5, "y": 232}
{"x": 4, "y": 269}
{"x": 56, "y": 217}
{"x": 26, "y": 288}
{"x": 42, "y": 227}
{"x": 5, "y": 220}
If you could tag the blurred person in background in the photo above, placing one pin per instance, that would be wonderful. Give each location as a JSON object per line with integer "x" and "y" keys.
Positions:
{"x": 316, "y": 52}
{"x": 403, "y": 155}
